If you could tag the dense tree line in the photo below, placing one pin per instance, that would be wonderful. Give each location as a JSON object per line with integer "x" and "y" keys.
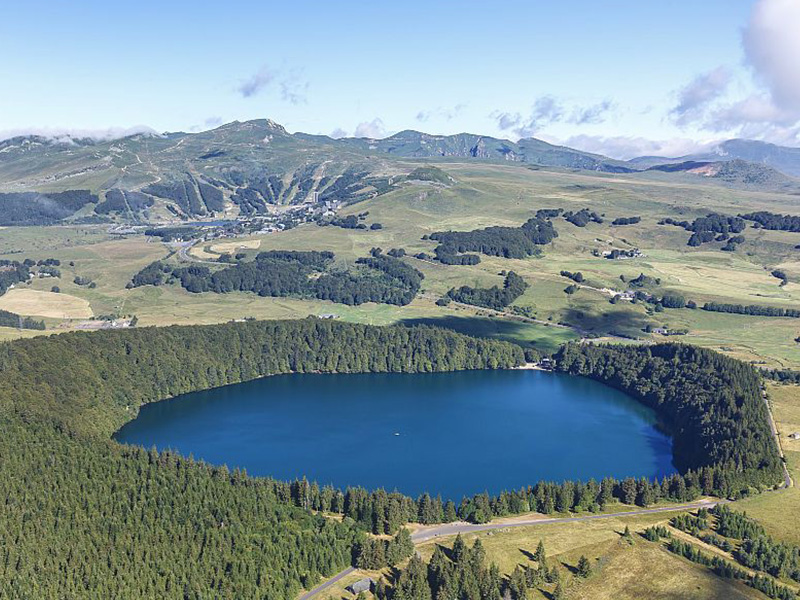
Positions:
{"x": 626, "y": 221}
{"x": 34, "y": 208}
{"x": 494, "y": 297}
{"x": 725, "y": 569}
{"x": 12, "y": 272}
{"x": 508, "y": 242}
{"x": 109, "y": 373}
{"x": 778, "y": 274}
{"x": 773, "y": 221}
{"x": 752, "y": 309}
{"x": 673, "y": 301}
{"x": 168, "y": 234}
{"x": 758, "y": 550}
{"x": 279, "y": 273}
{"x": 348, "y": 222}
{"x": 782, "y": 375}
{"x": 384, "y": 512}
{"x": 448, "y": 255}
{"x": 711, "y": 403}
{"x": 10, "y": 319}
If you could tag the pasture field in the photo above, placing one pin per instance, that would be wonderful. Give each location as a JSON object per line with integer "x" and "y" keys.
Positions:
{"x": 620, "y": 569}
{"x": 779, "y": 512}
{"x": 45, "y": 304}
{"x": 484, "y": 195}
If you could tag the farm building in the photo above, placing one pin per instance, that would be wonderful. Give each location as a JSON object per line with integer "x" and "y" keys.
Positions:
{"x": 362, "y": 585}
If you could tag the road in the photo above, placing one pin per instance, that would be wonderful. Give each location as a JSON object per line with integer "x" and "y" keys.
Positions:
{"x": 428, "y": 533}
{"x": 321, "y": 588}
{"x": 787, "y": 479}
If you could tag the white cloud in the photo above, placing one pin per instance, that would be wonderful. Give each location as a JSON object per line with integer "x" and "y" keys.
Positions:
{"x": 374, "y": 129}
{"x": 446, "y": 114}
{"x": 338, "y": 133}
{"x": 547, "y": 110}
{"x": 257, "y": 82}
{"x": 213, "y": 121}
{"x": 627, "y": 147}
{"x": 696, "y": 96}
{"x": 66, "y": 135}
{"x": 771, "y": 42}
{"x": 591, "y": 115}
{"x": 293, "y": 88}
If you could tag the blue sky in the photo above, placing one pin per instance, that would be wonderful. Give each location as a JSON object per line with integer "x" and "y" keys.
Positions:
{"x": 619, "y": 76}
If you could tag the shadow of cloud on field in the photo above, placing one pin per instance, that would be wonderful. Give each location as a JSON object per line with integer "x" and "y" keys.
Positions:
{"x": 496, "y": 328}
{"x": 616, "y": 322}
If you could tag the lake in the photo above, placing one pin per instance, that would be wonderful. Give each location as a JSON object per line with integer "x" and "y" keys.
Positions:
{"x": 452, "y": 434}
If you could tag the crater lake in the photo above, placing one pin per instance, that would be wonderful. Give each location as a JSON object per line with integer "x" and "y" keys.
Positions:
{"x": 453, "y": 434}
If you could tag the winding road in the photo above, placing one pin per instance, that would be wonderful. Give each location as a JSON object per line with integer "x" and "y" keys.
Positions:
{"x": 426, "y": 534}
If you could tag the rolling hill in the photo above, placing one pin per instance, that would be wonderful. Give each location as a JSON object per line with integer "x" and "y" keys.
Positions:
{"x": 256, "y": 167}
{"x": 781, "y": 158}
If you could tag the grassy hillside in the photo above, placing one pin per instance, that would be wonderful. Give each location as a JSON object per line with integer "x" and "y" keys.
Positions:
{"x": 482, "y": 195}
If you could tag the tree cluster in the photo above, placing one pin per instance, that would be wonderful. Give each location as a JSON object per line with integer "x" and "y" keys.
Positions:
{"x": 508, "y": 242}
{"x": 494, "y": 297}
{"x": 583, "y": 217}
{"x": 626, "y": 221}
{"x": 773, "y": 221}
{"x": 10, "y": 319}
{"x": 279, "y": 273}
{"x": 576, "y": 277}
{"x": 725, "y": 569}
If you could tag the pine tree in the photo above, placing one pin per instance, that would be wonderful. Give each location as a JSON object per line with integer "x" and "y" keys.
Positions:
{"x": 517, "y": 584}
{"x": 584, "y": 567}
{"x": 558, "y": 593}
{"x": 539, "y": 555}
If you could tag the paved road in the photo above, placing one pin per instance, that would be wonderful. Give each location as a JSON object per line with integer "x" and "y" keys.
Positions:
{"x": 429, "y": 533}
{"x": 327, "y": 584}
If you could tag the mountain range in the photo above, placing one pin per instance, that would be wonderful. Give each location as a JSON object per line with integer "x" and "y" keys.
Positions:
{"x": 247, "y": 168}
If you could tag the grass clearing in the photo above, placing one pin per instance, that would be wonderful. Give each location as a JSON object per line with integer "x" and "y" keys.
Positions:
{"x": 245, "y": 244}
{"x": 45, "y": 304}
{"x": 620, "y": 569}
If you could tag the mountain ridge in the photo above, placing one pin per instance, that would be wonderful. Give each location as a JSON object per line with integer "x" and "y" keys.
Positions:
{"x": 248, "y": 168}
{"x": 785, "y": 159}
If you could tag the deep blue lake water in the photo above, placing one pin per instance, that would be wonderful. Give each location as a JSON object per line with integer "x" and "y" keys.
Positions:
{"x": 453, "y": 434}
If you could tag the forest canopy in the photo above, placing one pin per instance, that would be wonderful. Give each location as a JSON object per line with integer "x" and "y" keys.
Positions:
{"x": 279, "y": 273}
